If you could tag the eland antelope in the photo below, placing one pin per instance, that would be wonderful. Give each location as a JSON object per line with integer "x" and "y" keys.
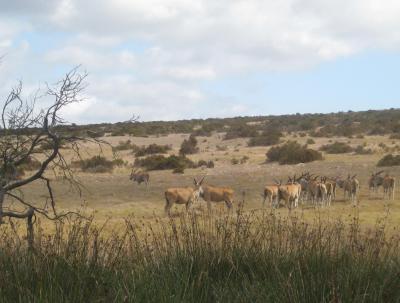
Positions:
{"x": 217, "y": 194}
{"x": 139, "y": 177}
{"x": 388, "y": 187}
{"x": 183, "y": 195}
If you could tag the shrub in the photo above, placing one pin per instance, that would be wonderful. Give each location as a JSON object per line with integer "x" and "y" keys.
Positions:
{"x": 208, "y": 164}
{"x": 159, "y": 162}
{"x": 266, "y": 139}
{"x": 389, "y": 160}
{"x": 189, "y": 146}
{"x": 310, "y": 141}
{"x": 30, "y": 164}
{"x": 234, "y": 161}
{"x": 241, "y": 131}
{"x": 293, "y": 153}
{"x": 152, "y": 149}
{"x": 179, "y": 170}
{"x": 337, "y": 148}
{"x": 95, "y": 134}
{"x": 244, "y": 159}
{"x": 96, "y": 164}
{"x": 362, "y": 150}
{"x": 125, "y": 145}
{"x": 222, "y": 148}
{"x": 395, "y": 136}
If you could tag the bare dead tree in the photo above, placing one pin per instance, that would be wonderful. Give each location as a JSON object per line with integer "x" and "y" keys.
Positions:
{"x": 23, "y": 130}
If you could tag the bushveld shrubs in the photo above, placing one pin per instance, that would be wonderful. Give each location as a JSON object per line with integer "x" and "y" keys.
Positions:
{"x": 97, "y": 164}
{"x": 159, "y": 162}
{"x": 310, "y": 141}
{"x": 125, "y": 145}
{"x": 189, "y": 146}
{"x": 266, "y": 139}
{"x": 238, "y": 258}
{"x": 293, "y": 153}
{"x": 362, "y": 150}
{"x": 389, "y": 160}
{"x": 241, "y": 131}
{"x": 152, "y": 149}
{"x": 337, "y": 148}
{"x": 208, "y": 164}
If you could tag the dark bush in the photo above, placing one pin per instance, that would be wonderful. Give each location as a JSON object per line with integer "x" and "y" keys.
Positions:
{"x": 125, "y": 145}
{"x": 189, "y": 146}
{"x": 159, "y": 162}
{"x": 234, "y": 161}
{"x": 266, "y": 139}
{"x": 389, "y": 160}
{"x": 241, "y": 131}
{"x": 362, "y": 150}
{"x": 95, "y": 134}
{"x": 337, "y": 148}
{"x": 310, "y": 141}
{"x": 293, "y": 153}
{"x": 96, "y": 164}
{"x": 152, "y": 149}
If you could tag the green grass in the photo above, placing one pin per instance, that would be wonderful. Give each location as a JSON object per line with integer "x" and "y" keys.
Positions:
{"x": 246, "y": 257}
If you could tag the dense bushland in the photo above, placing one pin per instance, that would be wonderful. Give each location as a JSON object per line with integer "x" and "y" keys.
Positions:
{"x": 389, "y": 160}
{"x": 152, "y": 149}
{"x": 266, "y": 139}
{"x": 97, "y": 164}
{"x": 125, "y": 145}
{"x": 240, "y": 258}
{"x": 293, "y": 153}
{"x": 160, "y": 162}
{"x": 189, "y": 146}
{"x": 337, "y": 148}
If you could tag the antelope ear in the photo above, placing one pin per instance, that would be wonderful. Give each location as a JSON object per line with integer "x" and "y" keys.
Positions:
{"x": 194, "y": 181}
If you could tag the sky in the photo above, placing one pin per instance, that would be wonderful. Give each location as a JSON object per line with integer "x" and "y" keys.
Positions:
{"x": 183, "y": 59}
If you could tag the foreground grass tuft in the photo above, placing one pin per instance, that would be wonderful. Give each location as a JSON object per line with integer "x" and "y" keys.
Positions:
{"x": 246, "y": 257}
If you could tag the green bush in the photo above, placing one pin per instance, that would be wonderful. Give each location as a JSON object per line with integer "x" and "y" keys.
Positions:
{"x": 293, "y": 153}
{"x": 234, "y": 161}
{"x": 389, "y": 160}
{"x": 159, "y": 162}
{"x": 337, "y": 148}
{"x": 125, "y": 145}
{"x": 152, "y": 149}
{"x": 241, "y": 131}
{"x": 189, "y": 146}
{"x": 310, "y": 141}
{"x": 96, "y": 164}
{"x": 266, "y": 139}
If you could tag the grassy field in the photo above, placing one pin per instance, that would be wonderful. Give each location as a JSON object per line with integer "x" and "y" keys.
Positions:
{"x": 129, "y": 251}
{"x": 114, "y": 196}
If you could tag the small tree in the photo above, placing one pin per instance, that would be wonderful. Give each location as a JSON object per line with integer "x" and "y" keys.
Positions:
{"x": 189, "y": 146}
{"x": 24, "y": 130}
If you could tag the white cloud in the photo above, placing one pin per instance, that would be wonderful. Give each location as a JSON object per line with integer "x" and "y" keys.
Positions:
{"x": 184, "y": 43}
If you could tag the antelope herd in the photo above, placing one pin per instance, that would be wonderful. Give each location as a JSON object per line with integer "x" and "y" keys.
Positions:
{"x": 307, "y": 189}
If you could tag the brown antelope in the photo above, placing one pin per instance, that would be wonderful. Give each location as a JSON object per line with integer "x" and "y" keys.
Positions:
{"x": 374, "y": 181}
{"x": 330, "y": 190}
{"x": 139, "y": 177}
{"x": 271, "y": 193}
{"x": 290, "y": 193}
{"x": 217, "y": 194}
{"x": 315, "y": 190}
{"x": 183, "y": 195}
{"x": 351, "y": 186}
{"x": 388, "y": 187}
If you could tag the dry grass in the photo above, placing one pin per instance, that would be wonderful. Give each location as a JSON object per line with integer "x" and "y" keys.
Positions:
{"x": 114, "y": 196}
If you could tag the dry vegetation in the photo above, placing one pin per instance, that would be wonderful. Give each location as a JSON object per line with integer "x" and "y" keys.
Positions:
{"x": 130, "y": 252}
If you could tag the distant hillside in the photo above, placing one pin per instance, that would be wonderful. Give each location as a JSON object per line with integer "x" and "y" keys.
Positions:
{"x": 372, "y": 122}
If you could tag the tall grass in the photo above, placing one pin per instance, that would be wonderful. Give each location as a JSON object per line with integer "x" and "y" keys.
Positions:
{"x": 245, "y": 257}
